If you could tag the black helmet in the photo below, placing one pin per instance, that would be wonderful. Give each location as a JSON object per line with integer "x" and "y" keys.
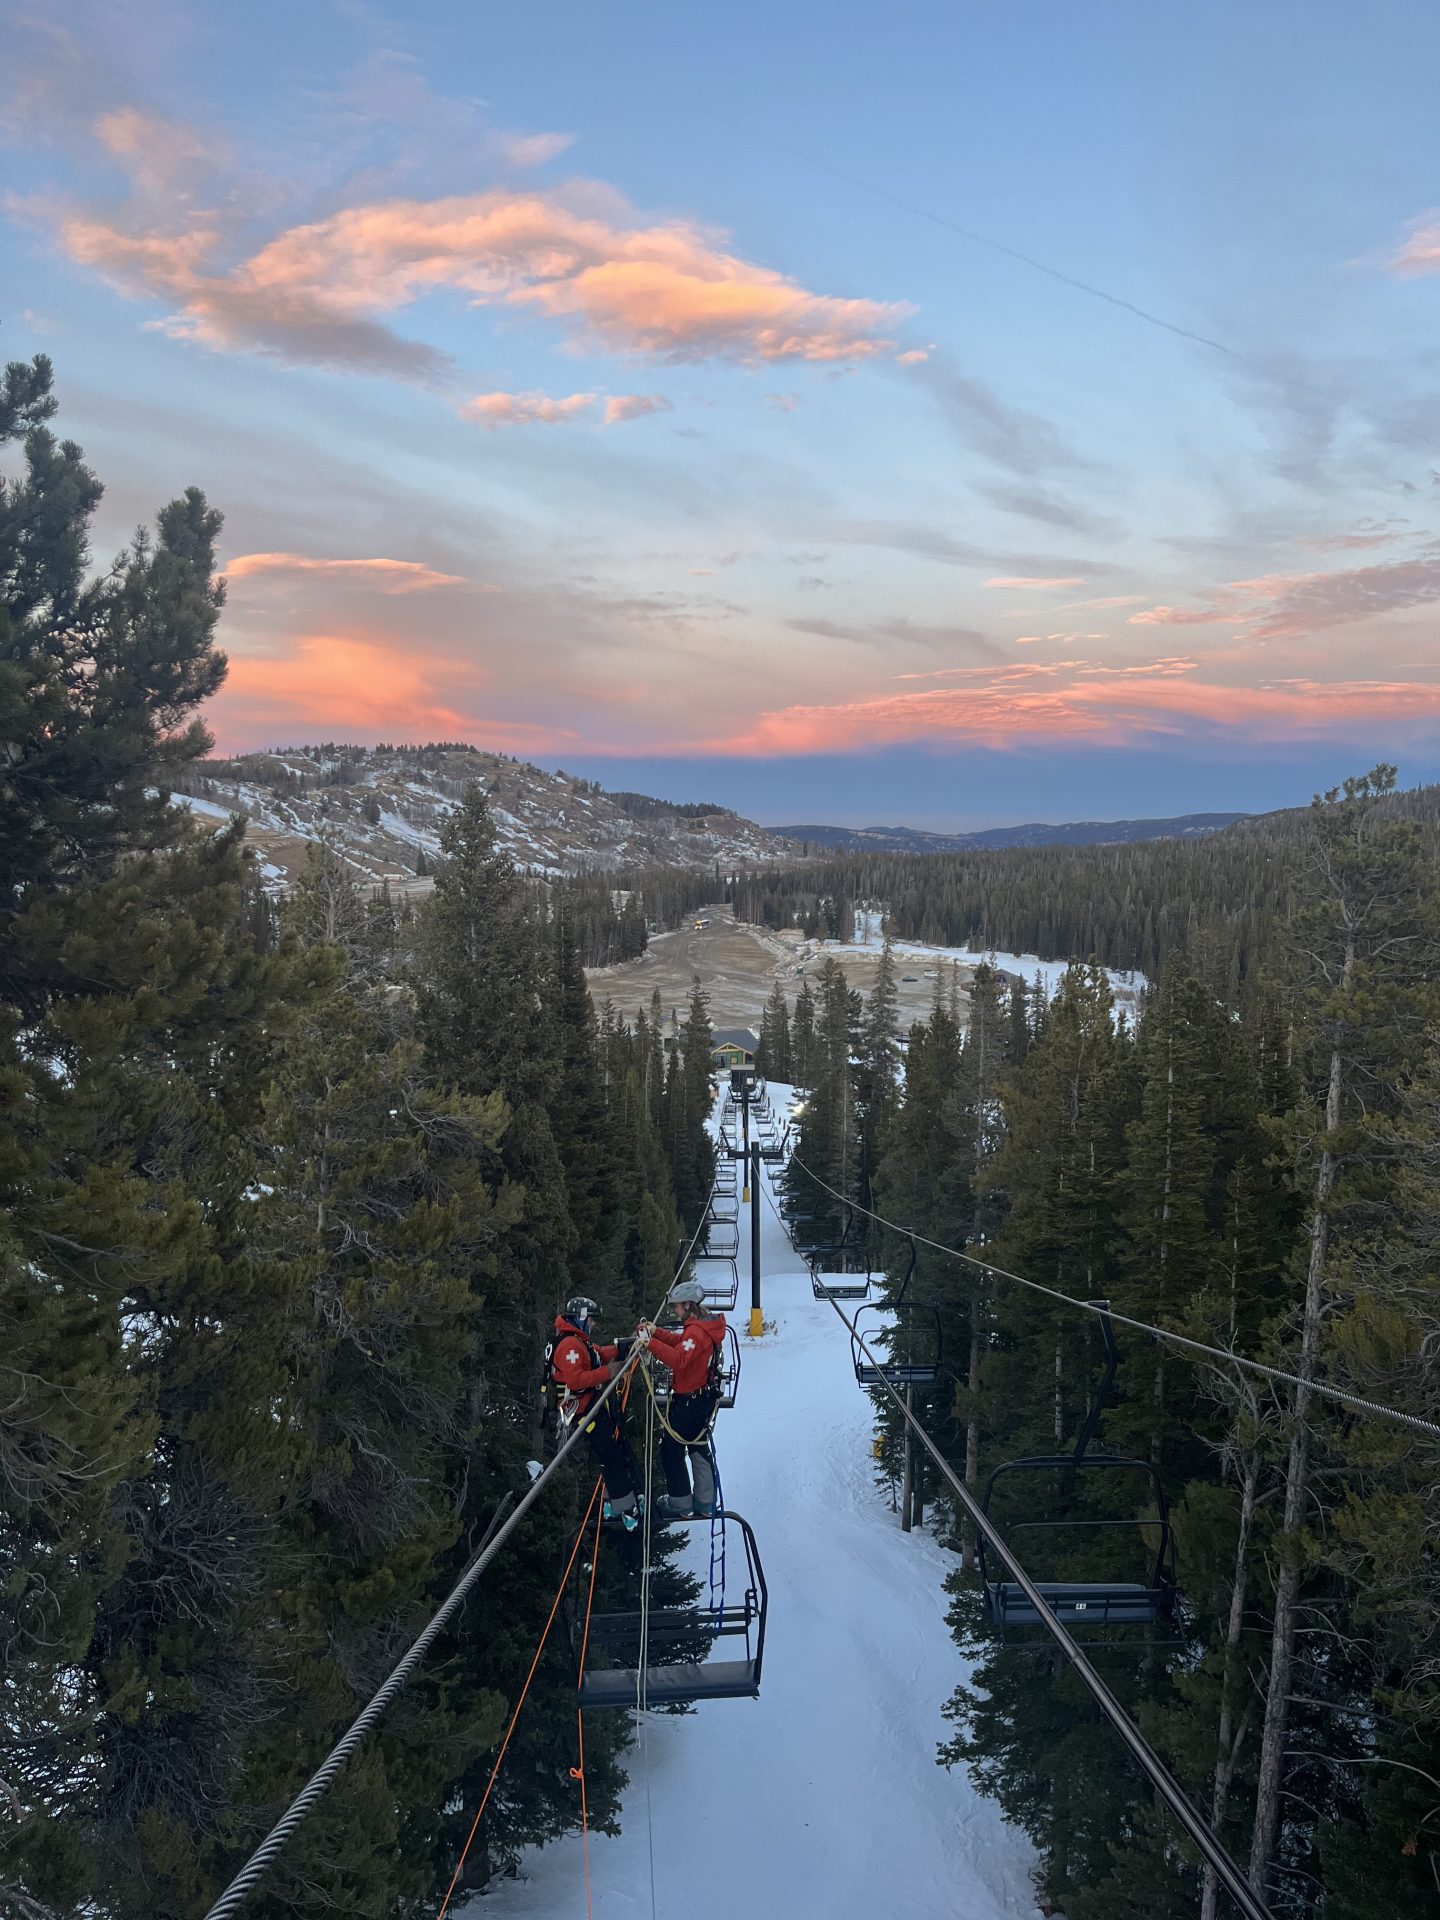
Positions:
{"x": 581, "y": 1309}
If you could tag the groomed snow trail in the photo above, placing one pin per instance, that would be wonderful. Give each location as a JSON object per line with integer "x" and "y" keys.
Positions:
{"x": 822, "y": 1798}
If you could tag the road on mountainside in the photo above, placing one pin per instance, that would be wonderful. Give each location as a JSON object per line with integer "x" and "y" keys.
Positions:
{"x": 738, "y": 966}
{"x": 823, "y": 1797}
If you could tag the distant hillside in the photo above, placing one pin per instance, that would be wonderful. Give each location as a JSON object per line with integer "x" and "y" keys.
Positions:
{"x": 1075, "y": 833}
{"x": 383, "y": 809}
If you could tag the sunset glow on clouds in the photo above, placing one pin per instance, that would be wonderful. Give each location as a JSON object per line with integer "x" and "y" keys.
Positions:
{"x": 651, "y": 438}
{"x": 382, "y": 576}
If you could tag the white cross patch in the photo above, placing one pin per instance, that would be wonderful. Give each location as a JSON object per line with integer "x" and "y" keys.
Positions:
{"x": 688, "y": 1345}
{"x": 572, "y": 1355}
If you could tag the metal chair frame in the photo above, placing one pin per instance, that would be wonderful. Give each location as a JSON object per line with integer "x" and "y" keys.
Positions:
{"x": 899, "y": 1373}
{"x": 691, "y": 1630}
{"x": 1096, "y": 1603}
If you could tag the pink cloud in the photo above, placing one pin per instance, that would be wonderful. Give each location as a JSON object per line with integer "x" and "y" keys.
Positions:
{"x": 1031, "y": 580}
{"x": 386, "y": 576}
{"x": 1109, "y": 600}
{"x": 1182, "y": 617}
{"x": 667, "y": 291}
{"x": 913, "y": 357}
{"x": 1089, "y": 703}
{"x": 1421, "y": 252}
{"x": 634, "y": 406}
{"x": 371, "y": 690}
{"x": 494, "y": 410}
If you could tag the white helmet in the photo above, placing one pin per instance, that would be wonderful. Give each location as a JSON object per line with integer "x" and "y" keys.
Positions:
{"x": 687, "y": 1293}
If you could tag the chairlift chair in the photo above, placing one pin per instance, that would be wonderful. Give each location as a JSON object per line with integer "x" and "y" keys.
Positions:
{"x": 773, "y": 1148}
{"x": 719, "y": 1291}
{"x": 1087, "y": 1603}
{"x": 689, "y": 1634}
{"x": 722, "y": 1237}
{"x": 661, "y": 1384}
{"x": 830, "y": 1278}
{"x": 922, "y": 1331}
{"x": 724, "y": 1207}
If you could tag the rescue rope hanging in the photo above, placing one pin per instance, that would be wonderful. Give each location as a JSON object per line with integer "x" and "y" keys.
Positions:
{"x": 519, "y": 1706}
{"x": 318, "y": 1785}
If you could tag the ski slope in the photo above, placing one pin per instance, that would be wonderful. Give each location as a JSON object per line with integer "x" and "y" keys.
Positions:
{"x": 822, "y": 1798}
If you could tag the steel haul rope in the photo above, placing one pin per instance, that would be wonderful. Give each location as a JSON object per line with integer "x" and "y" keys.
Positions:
{"x": 1356, "y": 1402}
{"x": 1169, "y": 1789}
{"x": 320, "y": 1782}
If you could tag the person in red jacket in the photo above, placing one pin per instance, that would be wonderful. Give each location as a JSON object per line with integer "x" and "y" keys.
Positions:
{"x": 693, "y": 1355}
{"x": 584, "y": 1370}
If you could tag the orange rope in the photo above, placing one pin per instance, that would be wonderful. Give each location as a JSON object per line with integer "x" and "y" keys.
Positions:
{"x": 504, "y": 1744}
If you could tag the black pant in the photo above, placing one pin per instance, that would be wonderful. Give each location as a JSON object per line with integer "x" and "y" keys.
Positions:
{"x": 690, "y": 1415}
{"x": 610, "y": 1450}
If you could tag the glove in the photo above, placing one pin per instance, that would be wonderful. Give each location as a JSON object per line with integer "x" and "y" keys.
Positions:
{"x": 642, "y": 1334}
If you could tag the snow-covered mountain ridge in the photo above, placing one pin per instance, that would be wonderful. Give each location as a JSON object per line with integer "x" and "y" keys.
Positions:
{"x": 383, "y": 809}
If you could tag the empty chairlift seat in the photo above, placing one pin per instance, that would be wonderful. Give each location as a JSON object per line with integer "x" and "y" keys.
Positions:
{"x": 1140, "y": 1545}
{"x": 1098, "y": 1557}
{"x": 681, "y": 1664}
{"x": 833, "y": 1274}
{"x": 914, "y": 1338}
{"x": 719, "y": 1275}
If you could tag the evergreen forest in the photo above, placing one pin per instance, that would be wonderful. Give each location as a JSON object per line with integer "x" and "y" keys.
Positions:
{"x": 290, "y": 1192}
{"x": 1257, "y": 1170}
{"x": 289, "y": 1196}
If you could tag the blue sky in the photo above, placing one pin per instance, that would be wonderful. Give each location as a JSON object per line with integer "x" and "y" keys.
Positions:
{"x": 614, "y": 387}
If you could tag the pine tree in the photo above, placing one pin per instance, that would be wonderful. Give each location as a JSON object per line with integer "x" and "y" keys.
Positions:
{"x": 773, "y": 1059}
{"x": 1364, "y": 951}
{"x": 802, "y": 1038}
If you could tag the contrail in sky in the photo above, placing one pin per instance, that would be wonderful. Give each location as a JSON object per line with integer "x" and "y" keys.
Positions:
{"x": 1011, "y": 253}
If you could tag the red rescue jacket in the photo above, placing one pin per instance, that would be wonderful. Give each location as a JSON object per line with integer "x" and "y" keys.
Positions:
{"x": 687, "y": 1350}
{"x": 578, "y": 1364}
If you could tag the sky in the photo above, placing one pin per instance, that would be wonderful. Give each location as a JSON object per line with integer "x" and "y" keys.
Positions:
{"x": 946, "y": 413}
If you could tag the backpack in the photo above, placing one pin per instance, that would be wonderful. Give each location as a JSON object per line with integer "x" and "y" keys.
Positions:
{"x": 557, "y": 1405}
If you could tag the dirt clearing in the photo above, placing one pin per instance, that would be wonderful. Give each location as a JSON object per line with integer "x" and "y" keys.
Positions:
{"x": 739, "y": 964}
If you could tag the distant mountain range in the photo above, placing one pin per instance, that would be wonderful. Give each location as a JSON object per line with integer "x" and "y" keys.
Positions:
{"x": 1075, "y": 833}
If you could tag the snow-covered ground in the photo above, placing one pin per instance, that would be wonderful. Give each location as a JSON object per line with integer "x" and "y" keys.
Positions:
{"x": 822, "y": 1798}
{"x": 870, "y": 938}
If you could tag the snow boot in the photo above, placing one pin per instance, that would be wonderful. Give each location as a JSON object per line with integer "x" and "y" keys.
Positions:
{"x": 675, "y": 1506}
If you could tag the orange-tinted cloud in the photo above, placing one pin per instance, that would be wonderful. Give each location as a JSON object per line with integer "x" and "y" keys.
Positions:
{"x": 1421, "y": 252}
{"x": 365, "y": 690}
{"x": 525, "y": 409}
{"x": 1063, "y": 701}
{"x": 669, "y": 291}
{"x": 634, "y": 406}
{"x": 385, "y": 576}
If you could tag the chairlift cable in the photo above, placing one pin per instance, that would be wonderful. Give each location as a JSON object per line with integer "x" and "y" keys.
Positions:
{"x": 249, "y": 1876}
{"x": 1356, "y": 1402}
{"x": 1249, "y": 1903}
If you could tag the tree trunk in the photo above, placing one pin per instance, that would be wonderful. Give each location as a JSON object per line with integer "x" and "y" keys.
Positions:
{"x": 1297, "y": 1486}
{"x": 972, "y": 1426}
{"x": 1228, "y": 1737}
